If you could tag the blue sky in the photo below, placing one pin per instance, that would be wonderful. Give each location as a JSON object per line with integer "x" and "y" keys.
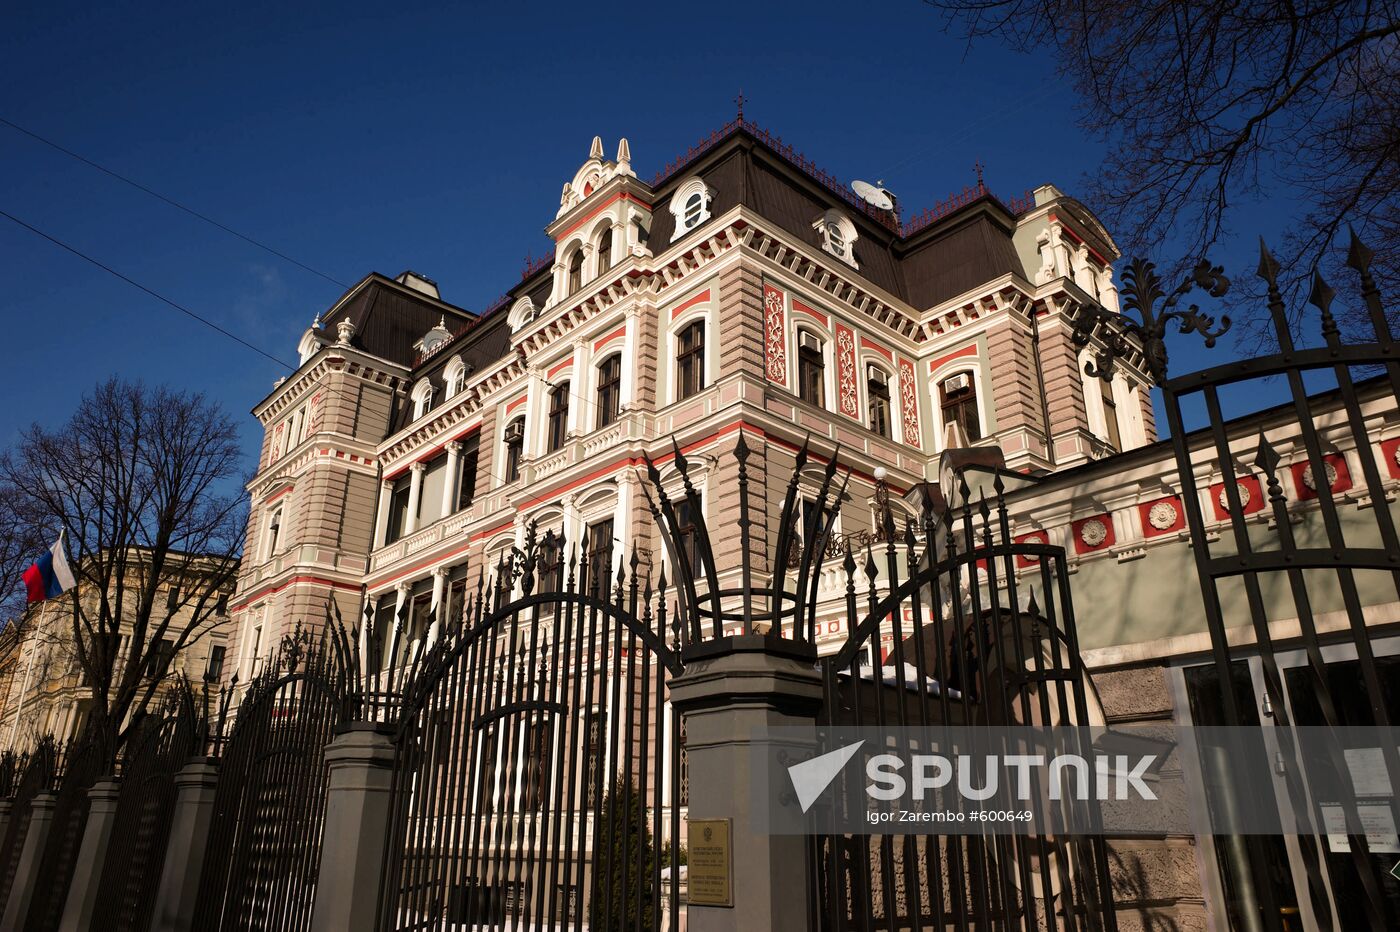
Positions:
{"x": 361, "y": 138}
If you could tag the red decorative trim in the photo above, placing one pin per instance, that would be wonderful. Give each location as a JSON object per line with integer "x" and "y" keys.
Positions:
{"x": 1388, "y": 452}
{"x": 279, "y": 493}
{"x": 511, "y": 406}
{"x": 872, "y": 345}
{"x": 1078, "y": 239}
{"x": 969, "y": 350}
{"x": 1033, "y": 537}
{"x": 799, "y": 308}
{"x": 295, "y": 580}
{"x": 687, "y": 305}
{"x": 909, "y": 402}
{"x": 1342, "y": 483}
{"x": 1080, "y": 546}
{"x": 1248, "y": 486}
{"x": 774, "y": 336}
{"x": 846, "y": 397}
{"x": 492, "y": 532}
{"x": 583, "y": 221}
{"x": 1151, "y": 530}
{"x": 604, "y": 341}
{"x": 559, "y": 368}
{"x": 313, "y": 419}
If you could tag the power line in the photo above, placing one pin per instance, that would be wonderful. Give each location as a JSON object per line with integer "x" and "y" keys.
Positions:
{"x": 173, "y": 203}
{"x": 135, "y": 284}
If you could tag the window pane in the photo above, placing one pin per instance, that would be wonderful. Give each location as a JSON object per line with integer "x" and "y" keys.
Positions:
{"x": 466, "y": 477}
{"x": 690, "y": 360}
{"x": 558, "y": 415}
{"x": 609, "y": 390}
{"x": 809, "y": 375}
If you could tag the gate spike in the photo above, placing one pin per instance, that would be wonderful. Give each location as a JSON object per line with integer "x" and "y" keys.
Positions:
{"x": 1268, "y": 265}
{"x": 1267, "y": 458}
{"x": 849, "y": 564}
{"x": 681, "y": 462}
{"x": 1358, "y": 256}
{"x": 1321, "y": 297}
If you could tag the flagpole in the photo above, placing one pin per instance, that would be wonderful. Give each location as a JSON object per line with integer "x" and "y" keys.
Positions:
{"x": 28, "y": 669}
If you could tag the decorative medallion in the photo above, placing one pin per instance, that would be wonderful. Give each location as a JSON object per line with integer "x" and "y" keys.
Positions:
{"x": 1395, "y": 455}
{"x": 1246, "y": 497}
{"x": 1311, "y": 482}
{"x": 846, "y": 372}
{"x": 276, "y": 443}
{"x": 774, "y": 335}
{"x": 909, "y": 402}
{"x": 1093, "y": 532}
{"x": 314, "y": 418}
{"x": 1162, "y": 516}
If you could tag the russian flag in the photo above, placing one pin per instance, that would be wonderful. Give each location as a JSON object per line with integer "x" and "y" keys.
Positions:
{"x": 49, "y": 576}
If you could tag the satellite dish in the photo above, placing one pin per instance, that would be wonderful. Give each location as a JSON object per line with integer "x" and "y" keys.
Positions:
{"x": 874, "y": 195}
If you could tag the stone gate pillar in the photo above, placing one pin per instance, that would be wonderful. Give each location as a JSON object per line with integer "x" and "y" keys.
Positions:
{"x": 184, "y": 852}
{"x": 356, "y": 831}
{"x": 726, "y": 699}
{"x": 80, "y": 909}
{"x": 36, "y": 835}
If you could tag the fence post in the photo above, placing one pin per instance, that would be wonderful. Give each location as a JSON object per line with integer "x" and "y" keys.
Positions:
{"x": 184, "y": 852}
{"x": 5, "y": 805}
{"x": 726, "y": 699}
{"x": 80, "y": 907}
{"x": 356, "y": 832}
{"x": 27, "y": 871}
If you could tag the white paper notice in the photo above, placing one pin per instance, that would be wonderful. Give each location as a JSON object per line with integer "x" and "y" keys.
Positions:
{"x": 1376, "y": 822}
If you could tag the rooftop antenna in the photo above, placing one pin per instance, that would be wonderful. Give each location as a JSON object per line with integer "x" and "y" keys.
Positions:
{"x": 874, "y": 194}
{"x": 739, "y": 102}
{"x": 977, "y": 167}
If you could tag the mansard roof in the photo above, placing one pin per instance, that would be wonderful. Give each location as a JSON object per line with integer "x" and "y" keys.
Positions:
{"x": 390, "y": 317}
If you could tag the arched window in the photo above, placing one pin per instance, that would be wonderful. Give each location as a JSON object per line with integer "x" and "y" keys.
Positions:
{"x": 558, "y": 415}
{"x": 694, "y": 208}
{"x": 838, "y": 235}
{"x": 877, "y": 388}
{"x": 605, "y": 251}
{"x": 1112, "y": 434}
{"x": 274, "y": 533}
{"x": 576, "y": 271}
{"x": 690, "y": 360}
{"x": 609, "y": 389}
{"x": 515, "y": 448}
{"x": 423, "y": 397}
{"x": 810, "y": 368}
{"x": 957, "y": 396}
{"x": 690, "y": 206}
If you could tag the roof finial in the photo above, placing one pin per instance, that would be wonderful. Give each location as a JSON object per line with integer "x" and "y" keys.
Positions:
{"x": 977, "y": 167}
{"x": 596, "y": 150}
{"x": 739, "y": 102}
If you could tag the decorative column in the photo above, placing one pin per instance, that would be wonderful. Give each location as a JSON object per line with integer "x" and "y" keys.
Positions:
{"x": 381, "y": 523}
{"x": 184, "y": 852}
{"x": 449, "y": 487}
{"x": 80, "y": 909}
{"x": 356, "y": 831}
{"x": 415, "y": 496}
{"x": 727, "y": 700}
{"x": 27, "y": 870}
{"x": 580, "y": 420}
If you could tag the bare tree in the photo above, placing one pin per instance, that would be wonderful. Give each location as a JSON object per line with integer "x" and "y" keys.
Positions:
{"x": 144, "y": 483}
{"x": 1209, "y": 102}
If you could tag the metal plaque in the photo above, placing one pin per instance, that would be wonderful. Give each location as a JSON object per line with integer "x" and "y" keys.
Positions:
{"x": 709, "y": 863}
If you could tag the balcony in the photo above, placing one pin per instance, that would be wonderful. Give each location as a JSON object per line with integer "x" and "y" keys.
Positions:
{"x": 417, "y": 542}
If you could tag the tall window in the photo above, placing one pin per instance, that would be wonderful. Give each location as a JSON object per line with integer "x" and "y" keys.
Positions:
{"x": 690, "y": 360}
{"x": 1110, "y": 417}
{"x": 515, "y": 448}
{"x": 158, "y": 660}
{"x": 599, "y": 558}
{"x": 810, "y": 365}
{"x": 609, "y": 390}
{"x": 689, "y": 541}
{"x": 558, "y": 415}
{"x": 877, "y": 389}
{"x": 466, "y": 475}
{"x": 537, "y": 745}
{"x": 958, "y": 399}
{"x": 215, "y": 670}
{"x": 605, "y": 251}
{"x": 274, "y": 533}
{"x": 550, "y": 567}
{"x": 576, "y": 271}
{"x": 398, "y": 509}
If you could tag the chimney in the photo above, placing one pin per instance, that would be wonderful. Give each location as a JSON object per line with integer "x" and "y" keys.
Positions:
{"x": 419, "y": 283}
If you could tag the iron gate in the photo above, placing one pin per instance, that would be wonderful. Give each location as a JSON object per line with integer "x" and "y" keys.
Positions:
{"x": 1300, "y": 526}
{"x": 36, "y": 772}
{"x": 264, "y": 846}
{"x": 535, "y": 785}
{"x": 162, "y": 744}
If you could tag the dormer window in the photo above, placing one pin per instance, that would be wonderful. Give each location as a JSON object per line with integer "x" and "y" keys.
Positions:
{"x": 434, "y": 338}
{"x": 838, "y": 235}
{"x": 455, "y": 376}
{"x": 423, "y": 396}
{"x": 522, "y": 313}
{"x": 691, "y": 206}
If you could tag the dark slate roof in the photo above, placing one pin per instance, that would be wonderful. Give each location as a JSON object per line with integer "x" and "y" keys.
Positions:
{"x": 480, "y": 344}
{"x": 389, "y": 318}
{"x": 973, "y": 249}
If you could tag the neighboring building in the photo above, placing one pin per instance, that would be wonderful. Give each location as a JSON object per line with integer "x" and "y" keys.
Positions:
{"x": 43, "y": 688}
{"x": 743, "y": 290}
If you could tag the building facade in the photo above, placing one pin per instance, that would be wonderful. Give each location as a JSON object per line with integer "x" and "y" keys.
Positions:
{"x": 744, "y": 292}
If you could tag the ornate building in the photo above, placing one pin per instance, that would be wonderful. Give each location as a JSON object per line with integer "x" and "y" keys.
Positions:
{"x": 745, "y": 292}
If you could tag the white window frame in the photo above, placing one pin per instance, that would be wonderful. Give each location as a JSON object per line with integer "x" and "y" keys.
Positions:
{"x": 865, "y": 364}
{"x": 973, "y": 367}
{"x": 838, "y": 221}
{"x": 673, "y": 340}
{"x": 422, "y": 397}
{"x": 805, "y": 324}
{"x": 275, "y": 516}
{"x": 689, "y": 188}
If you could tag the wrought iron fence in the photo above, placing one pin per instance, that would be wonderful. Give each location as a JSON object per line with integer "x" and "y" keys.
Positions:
{"x": 35, "y": 771}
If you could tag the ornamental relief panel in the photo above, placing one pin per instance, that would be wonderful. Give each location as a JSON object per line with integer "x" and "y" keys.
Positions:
{"x": 846, "y": 399}
{"x": 774, "y": 335}
{"x": 909, "y": 402}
